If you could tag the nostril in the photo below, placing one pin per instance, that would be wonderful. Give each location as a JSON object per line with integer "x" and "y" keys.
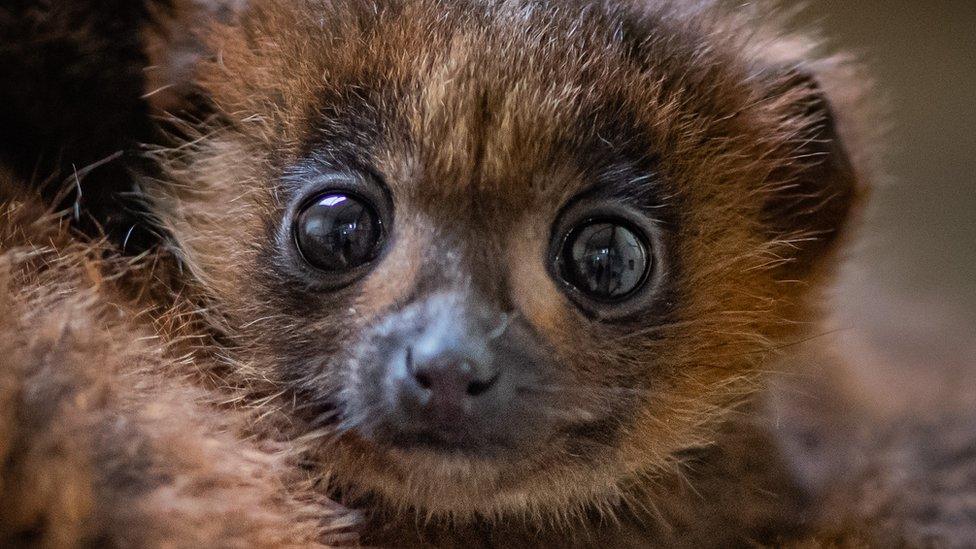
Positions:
{"x": 423, "y": 379}
{"x": 477, "y": 388}
{"x": 421, "y": 376}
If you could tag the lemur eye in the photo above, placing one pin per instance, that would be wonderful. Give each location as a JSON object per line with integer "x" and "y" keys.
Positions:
{"x": 338, "y": 232}
{"x": 606, "y": 260}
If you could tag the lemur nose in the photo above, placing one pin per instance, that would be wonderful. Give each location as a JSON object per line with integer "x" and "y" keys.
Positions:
{"x": 447, "y": 379}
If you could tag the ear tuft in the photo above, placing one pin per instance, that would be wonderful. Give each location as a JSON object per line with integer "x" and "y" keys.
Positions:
{"x": 817, "y": 192}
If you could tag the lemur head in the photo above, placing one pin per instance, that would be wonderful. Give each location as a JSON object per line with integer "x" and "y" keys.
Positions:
{"x": 511, "y": 253}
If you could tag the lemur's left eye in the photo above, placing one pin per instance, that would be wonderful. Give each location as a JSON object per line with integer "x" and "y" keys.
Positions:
{"x": 338, "y": 232}
{"x": 605, "y": 260}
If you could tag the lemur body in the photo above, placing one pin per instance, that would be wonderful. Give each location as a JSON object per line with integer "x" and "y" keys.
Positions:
{"x": 489, "y": 273}
{"x": 105, "y": 437}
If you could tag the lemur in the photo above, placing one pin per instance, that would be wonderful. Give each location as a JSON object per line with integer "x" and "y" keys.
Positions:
{"x": 459, "y": 273}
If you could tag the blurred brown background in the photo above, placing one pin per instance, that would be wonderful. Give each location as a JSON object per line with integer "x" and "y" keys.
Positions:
{"x": 915, "y": 265}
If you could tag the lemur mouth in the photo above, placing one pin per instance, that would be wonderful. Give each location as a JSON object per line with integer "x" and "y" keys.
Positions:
{"x": 459, "y": 436}
{"x": 453, "y": 444}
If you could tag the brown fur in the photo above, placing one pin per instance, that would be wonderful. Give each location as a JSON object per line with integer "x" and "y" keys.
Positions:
{"x": 485, "y": 119}
{"x": 474, "y": 114}
{"x": 103, "y": 438}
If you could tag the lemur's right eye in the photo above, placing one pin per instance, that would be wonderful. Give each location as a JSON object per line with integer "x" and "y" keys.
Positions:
{"x": 338, "y": 232}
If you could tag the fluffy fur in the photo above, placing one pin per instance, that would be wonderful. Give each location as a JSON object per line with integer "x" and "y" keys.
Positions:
{"x": 481, "y": 120}
{"x": 104, "y": 438}
{"x": 740, "y": 140}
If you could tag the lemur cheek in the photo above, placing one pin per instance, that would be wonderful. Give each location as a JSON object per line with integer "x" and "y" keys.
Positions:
{"x": 395, "y": 276}
{"x": 533, "y": 292}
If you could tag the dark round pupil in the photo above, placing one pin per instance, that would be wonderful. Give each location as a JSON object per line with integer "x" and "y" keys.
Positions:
{"x": 605, "y": 260}
{"x": 338, "y": 232}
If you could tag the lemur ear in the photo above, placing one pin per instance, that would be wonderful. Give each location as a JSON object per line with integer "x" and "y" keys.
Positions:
{"x": 813, "y": 197}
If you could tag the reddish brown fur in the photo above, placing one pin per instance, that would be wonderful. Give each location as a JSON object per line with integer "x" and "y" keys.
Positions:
{"x": 479, "y": 115}
{"x": 103, "y": 438}
{"x": 480, "y": 103}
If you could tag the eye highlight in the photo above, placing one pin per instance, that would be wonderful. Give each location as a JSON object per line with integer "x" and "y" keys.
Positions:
{"x": 606, "y": 260}
{"x": 338, "y": 232}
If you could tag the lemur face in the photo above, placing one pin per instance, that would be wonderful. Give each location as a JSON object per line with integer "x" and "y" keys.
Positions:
{"x": 510, "y": 253}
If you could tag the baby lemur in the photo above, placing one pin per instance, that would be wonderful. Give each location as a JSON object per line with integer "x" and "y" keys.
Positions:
{"x": 501, "y": 272}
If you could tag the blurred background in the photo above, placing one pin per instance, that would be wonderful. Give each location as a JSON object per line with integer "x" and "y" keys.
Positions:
{"x": 911, "y": 287}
